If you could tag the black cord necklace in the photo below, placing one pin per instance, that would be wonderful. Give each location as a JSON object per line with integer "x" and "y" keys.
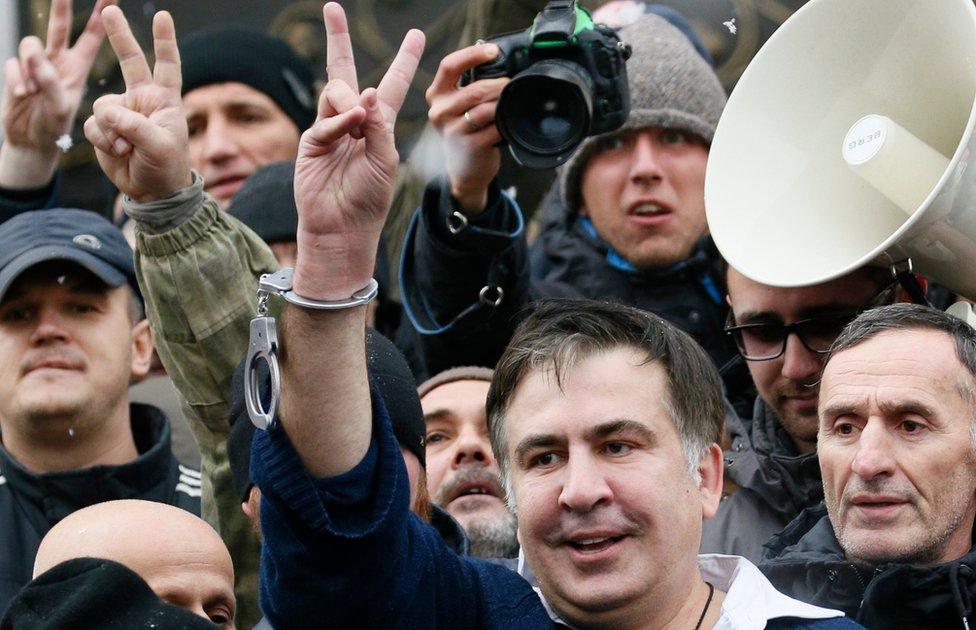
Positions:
{"x": 708, "y": 602}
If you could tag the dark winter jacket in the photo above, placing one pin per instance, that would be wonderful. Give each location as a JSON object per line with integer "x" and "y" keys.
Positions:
{"x": 453, "y": 270}
{"x": 806, "y": 562}
{"x": 33, "y": 503}
{"x": 775, "y": 484}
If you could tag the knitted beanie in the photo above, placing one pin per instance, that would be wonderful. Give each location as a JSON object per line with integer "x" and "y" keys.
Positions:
{"x": 670, "y": 86}
{"x": 465, "y": 373}
{"x": 266, "y": 203}
{"x": 268, "y": 64}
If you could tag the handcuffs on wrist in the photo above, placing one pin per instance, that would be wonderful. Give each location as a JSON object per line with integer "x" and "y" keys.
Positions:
{"x": 264, "y": 339}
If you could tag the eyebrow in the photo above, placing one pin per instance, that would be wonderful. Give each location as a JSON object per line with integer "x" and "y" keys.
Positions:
{"x": 832, "y": 308}
{"x": 898, "y": 407}
{"x": 750, "y": 317}
{"x": 840, "y": 408}
{"x": 532, "y": 442}
{"x": 600, "y": 431}
{"x": 623, "y": 425}
{"x": 891, "y": 408}
{"x": 438, "y": 413}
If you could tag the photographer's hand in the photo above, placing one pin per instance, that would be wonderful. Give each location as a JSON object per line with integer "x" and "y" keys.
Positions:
{"x": 42, "y": 91}
{"x": 465, "y": 117}
{"x": 140, "y": 137}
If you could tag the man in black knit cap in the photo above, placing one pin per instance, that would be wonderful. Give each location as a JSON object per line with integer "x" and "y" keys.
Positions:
{"x": 248, "y": 97}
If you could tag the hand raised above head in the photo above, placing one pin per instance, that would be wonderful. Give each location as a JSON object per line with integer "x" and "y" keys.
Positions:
{"x": 140, "y": 137}
{"x": 346, "y": 168}
{"x": 44, "y": 85}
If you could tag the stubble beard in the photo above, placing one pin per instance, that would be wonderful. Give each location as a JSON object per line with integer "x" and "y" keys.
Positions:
{"x": 927, "y": 545}
{"x": 494, "y": 536}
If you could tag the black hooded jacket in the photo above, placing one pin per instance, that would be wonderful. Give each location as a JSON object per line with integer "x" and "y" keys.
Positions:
{"x": 450, "y": 278}
{"x": 33, "y": 503}
{"x": 775, "y": 483}
{"x": 806, "y": 562}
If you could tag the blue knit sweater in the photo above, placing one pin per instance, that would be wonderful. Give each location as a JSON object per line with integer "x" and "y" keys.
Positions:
{"x": 347, "y": 552}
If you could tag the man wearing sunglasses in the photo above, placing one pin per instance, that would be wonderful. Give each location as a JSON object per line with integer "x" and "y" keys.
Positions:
{"x": 783, "y": 334}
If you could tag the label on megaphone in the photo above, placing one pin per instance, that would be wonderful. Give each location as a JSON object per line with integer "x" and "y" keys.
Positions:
{"x": 865, "y": 139}
{"x": 897, "y": 164}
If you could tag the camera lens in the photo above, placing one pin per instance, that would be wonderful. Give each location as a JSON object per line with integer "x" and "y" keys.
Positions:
{"x": 545, "y": 111}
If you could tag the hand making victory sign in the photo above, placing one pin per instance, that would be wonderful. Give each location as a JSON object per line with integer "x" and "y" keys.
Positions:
{"x": 140, "y": 137}
{"x": 346, "y": 167}
{"x": 43, "y": 88}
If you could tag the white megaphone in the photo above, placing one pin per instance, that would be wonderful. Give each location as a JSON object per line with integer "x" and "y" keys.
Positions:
{"x": 849, "y": 140}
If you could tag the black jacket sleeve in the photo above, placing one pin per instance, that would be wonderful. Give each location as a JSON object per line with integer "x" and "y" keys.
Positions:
{"x": 463, "y": 282}
{"x": 14, "y": 202}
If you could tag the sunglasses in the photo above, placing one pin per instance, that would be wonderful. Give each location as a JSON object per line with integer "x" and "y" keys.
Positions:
{"x": 764, "y": 342}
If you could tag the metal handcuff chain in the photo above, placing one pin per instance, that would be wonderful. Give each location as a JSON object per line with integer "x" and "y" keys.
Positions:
{"x": 263, "y": 344}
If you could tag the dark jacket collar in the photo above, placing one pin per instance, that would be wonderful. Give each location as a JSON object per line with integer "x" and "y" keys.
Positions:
{"x": 764, "y": 460}
{"x": 60, "y": 493}
{"x": 805, "y": 561}
{"x": 450, "y": 530}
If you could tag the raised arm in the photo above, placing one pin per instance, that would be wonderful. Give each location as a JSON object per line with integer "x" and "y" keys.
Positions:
{"x": 42, "y": 91}
{"x": 344, "y": 181}
{"x": 197, "y": 267}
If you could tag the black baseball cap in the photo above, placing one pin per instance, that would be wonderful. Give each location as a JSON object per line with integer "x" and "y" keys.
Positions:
{"x": 77, "y": 236}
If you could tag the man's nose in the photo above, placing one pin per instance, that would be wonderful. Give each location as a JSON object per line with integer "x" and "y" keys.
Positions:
{"x": 584, "y": 486}
{"x": 472, "y": 448}
{"x": 645, "y": 166}
{"x": 799, "y": 363}
{"x": 873, "y": 456}
{"x": 50, "y": 327}
{"x": 219, "y": 143}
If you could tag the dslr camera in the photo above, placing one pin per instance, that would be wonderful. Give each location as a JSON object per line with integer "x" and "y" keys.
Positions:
{"x": 569, "y": 81}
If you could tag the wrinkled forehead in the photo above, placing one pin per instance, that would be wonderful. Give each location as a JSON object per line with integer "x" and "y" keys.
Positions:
{"x": 458, "y": 398}
{"x": 897, "y": 365}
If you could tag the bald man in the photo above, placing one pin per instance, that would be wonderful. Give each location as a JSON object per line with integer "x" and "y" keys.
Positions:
{"x": 180, "y": 556}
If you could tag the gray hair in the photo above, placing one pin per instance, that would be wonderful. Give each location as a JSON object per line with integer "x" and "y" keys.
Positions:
{"x": 872, "y": 323}
{"x": 561, "y": 333}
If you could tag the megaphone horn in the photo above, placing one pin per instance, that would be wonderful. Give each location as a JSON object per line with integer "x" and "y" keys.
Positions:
{"x": 848, "y": 140}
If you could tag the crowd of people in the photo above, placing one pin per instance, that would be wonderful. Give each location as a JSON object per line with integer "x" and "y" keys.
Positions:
{"x": 602, "y": 426}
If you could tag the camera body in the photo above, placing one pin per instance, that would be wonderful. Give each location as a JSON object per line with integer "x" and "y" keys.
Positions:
{"x": 569, "y": 81}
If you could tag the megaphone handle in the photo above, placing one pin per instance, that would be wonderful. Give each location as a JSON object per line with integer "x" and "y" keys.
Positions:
{"x": 909, "y": 282}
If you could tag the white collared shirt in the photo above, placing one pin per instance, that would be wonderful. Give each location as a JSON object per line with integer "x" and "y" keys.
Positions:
{"x": 751, "y": 600}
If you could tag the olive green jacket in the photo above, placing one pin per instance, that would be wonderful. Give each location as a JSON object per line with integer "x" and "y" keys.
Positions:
{"x": 199, "y": 281}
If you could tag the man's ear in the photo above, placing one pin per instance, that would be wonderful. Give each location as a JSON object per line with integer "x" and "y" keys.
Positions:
{"x": 142, "y": 350}
{"x": 711, "y": 470}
